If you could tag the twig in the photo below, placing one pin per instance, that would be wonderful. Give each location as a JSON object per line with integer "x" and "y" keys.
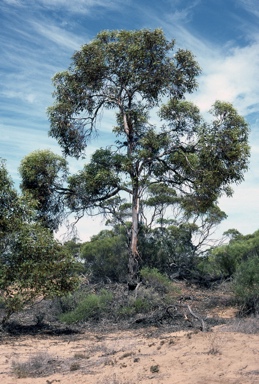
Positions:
{"x": 136, "y": 289}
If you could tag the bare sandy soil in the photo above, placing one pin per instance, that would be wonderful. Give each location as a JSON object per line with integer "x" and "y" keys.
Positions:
{"x": 226, "y": 353}
{"x": 129, "y": 357}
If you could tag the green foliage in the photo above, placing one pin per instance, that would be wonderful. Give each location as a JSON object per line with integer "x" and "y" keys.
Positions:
{"x": 92, "y": 306}
{"x": 106, "y": 256}
{"x": 152, "y": 277}
{"x": 117, "y": 67}
{"x": 153, "y": 294}
{"x": 32, "y": 262}
{"x": 246, "y": 285}
{"x": 169, "y": 249}
{"x": 225, "y": 259}
{"x": 34, "y": 265}
{"x": 73, "y": 249}
{"x": 73, "y": 246}
{"x": 13, "y": 208}
{"x": 142, "y": 304}
{"x": 43, "y": 174}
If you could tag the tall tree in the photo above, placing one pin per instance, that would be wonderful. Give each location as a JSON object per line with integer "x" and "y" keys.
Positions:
{"x": 134, "y": 73}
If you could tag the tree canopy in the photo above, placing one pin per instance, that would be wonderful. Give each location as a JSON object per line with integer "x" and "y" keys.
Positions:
{"x": 138, "y": 73}
{"x": 43, "y": 175}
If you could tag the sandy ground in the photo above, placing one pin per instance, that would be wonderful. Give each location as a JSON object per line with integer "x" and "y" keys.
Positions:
{"x": 145, "y": 355}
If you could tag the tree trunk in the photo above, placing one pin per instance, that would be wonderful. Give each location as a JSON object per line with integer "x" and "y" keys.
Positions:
{"x": 133, "y": 264}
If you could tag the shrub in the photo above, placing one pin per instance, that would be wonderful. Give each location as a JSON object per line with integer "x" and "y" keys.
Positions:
{"x": 152, "y": 277}
{"x": 146, "y": 299}
{"x": 69, "y": 302}
{"x": 137, "y": 305}
{"x": 91, "y": 306}
{"x": 246, "y": 285}
{"x": 142, "y": 305}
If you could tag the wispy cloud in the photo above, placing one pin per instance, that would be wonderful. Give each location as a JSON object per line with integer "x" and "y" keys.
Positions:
{"x": 80, "y": 5}
{"x": 75, "y": 6}
{"x": 12, "y": 2}
{"x": 250, "y": 6}
{"x": 229, "y": 71}
{"x": 182, "y": 12}
{"x": 57, "y": 35}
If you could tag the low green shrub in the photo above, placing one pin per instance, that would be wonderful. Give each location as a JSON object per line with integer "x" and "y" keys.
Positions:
{"x": 69, "y": 302}
{"x": 152, "y": 277}
{"x": 135, "y": 306}
{"x": 246, "y": 285}
{"x": 90, "y": 307}
{"x": 142, "y": 305}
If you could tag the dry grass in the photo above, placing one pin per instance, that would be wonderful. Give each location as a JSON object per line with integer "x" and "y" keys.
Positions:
{"x": 38, "y": 365}
{"x": 114, "y": 380}
{"x": 249, "y": 325}
{"x": 215, "y": 343}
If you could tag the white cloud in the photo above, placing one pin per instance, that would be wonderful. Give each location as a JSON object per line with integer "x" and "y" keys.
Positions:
{"x": 57, "y": 35}
{"x": 79, "y": 5}
{"x": 232, "y": 77}
{"x": 229, "y": 72}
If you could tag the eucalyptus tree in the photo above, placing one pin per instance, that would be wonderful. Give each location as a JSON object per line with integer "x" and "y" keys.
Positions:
{"x": 135, "y": 74}
{"x": 32, "y": 262}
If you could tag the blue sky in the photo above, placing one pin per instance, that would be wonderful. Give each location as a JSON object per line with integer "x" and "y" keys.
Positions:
{"x": 38, "y": 38}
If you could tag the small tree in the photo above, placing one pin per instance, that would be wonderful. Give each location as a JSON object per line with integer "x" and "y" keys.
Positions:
{"x": 43, "y": 175}
{"x": 32, "y": 262}
{"x": 226, "y": 259}
{"x": 133, "y": 72}
{"x": 106, "y": 256}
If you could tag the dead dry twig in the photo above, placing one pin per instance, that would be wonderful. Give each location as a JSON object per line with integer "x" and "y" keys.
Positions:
{"x": 189, "y": 309}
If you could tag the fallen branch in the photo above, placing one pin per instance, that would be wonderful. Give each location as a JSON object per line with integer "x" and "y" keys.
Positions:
{"x": 203, "y": 328}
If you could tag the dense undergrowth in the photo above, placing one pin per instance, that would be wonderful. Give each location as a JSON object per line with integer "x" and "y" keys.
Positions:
{"x": 94, "y": 302}
{"x": 114, "y": 303}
